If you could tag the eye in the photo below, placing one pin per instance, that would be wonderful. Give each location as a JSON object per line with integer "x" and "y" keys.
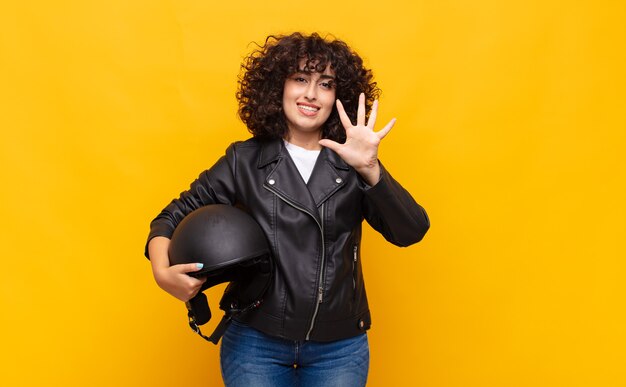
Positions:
{"x": 327, "y": 85}
{"x": 299, "y": 79}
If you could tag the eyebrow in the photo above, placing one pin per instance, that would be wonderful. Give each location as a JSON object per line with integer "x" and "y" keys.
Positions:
{"x": 322, "y": 76}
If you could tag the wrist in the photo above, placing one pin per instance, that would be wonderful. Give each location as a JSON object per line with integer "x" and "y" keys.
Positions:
{"x": 370, "y": 173}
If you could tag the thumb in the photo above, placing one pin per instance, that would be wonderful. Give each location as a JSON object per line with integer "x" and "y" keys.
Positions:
{"x": 333, "y": 145}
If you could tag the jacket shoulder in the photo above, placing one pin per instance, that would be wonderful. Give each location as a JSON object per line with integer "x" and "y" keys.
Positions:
{"x": 254, "y": 150}
{"x": 252, "y": 142}
{"x": 243, "y": 147}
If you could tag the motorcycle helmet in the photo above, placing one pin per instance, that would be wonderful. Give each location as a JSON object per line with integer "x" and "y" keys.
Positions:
{"x": 232, "y": 248}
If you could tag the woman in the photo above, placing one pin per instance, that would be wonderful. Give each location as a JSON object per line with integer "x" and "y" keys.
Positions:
{"x": 309, "y": 176}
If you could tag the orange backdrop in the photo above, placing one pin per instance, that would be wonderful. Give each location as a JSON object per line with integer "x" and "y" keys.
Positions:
{"x": 511, "y": 132}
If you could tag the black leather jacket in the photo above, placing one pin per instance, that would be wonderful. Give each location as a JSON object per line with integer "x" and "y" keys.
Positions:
{"x": 314, "y": 231}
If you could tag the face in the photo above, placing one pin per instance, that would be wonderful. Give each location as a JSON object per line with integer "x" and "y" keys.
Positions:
{"x": 308, "y": 100}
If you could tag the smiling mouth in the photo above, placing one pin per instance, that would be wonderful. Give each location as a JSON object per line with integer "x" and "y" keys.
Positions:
{"x": 308, "y": 108}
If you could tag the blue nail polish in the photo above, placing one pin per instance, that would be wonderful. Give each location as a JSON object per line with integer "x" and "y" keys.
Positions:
{"x": 199, "y": 265}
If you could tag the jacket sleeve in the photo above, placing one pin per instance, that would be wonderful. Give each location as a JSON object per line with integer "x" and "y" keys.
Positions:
{"x": 215, "y": 185}
{"x": 393, "y": 212}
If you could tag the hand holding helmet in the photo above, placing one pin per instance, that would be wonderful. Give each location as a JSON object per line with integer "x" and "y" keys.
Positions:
{"x": 174, "y": 279}
{"x": 232, "y": 248}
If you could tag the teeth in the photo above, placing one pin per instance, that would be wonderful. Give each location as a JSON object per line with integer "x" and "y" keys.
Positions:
{"x": 309, "y": 108}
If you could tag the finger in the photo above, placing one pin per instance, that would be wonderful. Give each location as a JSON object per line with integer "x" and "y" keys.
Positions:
{"x": 333, "y": 145}
{"x": 384, "y": 131}
{"x": 190, "y": 267}
{"x": 360, "y": 113}
{"x": 343, "y": 116}
{"x": 195, "y": 284}
{"x": 191, "y": 293}
{"x": 372, "y": 120}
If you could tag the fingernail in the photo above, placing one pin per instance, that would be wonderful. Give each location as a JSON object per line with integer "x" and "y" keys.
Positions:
{"x": 199, "y": 265}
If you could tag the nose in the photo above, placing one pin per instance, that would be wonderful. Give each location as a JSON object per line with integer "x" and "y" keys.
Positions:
{"x": 311, "y": 91}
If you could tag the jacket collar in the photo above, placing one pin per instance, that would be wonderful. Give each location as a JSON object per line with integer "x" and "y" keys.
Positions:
{"x": 272, "y": 150}
{"x": 329, "y": 175}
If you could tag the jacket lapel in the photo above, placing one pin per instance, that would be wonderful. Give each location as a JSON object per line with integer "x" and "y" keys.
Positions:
{"x": 284, "y": 179}
{"x": 328, "y": 176}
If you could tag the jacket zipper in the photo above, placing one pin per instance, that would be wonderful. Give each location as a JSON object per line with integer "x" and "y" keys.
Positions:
{"x": 354, "y": 267}
{"x": 320, "y": 284}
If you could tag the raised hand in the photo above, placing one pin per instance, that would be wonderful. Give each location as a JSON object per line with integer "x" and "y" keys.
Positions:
{"x": 360, "y": 150}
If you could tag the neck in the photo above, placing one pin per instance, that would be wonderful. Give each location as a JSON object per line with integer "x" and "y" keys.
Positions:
{"x": 305, "y": 140}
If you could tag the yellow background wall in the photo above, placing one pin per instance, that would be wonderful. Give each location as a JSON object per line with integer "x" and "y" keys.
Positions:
{"x": 511, "y": 132}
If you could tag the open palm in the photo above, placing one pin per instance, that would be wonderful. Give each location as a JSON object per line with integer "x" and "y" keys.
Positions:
{"x": 360, "y": 150}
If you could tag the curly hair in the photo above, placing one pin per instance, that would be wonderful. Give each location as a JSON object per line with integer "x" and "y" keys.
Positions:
{"x": 264, "y": 71}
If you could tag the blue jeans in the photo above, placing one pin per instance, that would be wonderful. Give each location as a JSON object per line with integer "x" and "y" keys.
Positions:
{"x": 250, "y": 358}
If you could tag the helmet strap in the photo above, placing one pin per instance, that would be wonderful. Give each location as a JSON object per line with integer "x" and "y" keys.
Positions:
{"x": 221, "y": 327}
{"x": 217, "y": 333}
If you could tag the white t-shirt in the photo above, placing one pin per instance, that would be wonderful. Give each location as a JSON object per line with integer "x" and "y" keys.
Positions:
{"x": 303, "y": 158}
